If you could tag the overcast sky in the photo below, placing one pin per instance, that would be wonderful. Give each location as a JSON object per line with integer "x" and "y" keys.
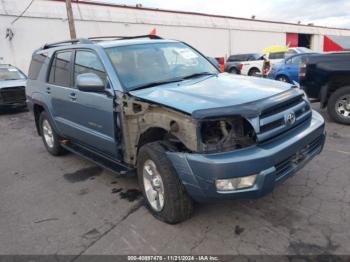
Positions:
{"x": 333, "y": 13}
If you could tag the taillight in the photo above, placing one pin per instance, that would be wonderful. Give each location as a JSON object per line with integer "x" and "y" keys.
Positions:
{"x": 302, "y": 70}
{"x": 221, "y": 61}
{"x": 240, "y": 66}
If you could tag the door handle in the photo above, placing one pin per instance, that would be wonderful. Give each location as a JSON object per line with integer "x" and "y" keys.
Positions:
{"x": 73, "y": 96}
{"x": 48, "y": 90}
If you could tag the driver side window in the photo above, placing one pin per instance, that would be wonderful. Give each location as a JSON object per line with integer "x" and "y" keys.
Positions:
{"x": 88, "y": 62}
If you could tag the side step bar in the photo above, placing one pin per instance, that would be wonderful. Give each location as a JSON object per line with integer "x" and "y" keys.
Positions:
{"x": 115, "y": 166}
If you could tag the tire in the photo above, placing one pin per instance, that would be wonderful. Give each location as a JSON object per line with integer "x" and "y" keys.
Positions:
{"x": 176, "y": 206}
{"x": 283, "y": 78}
{"x": 48, "y": 133}
{"x": 233, "y": 71}
{"x": 254, "y": 72}
{"x": 340, "y": 97}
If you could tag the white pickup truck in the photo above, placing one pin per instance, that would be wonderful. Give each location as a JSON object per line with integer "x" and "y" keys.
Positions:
{"x": 255, "y": 67}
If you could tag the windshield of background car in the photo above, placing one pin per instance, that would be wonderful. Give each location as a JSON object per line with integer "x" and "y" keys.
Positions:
{"x": 10, "y": 74}
{"x": 141, "y": 64}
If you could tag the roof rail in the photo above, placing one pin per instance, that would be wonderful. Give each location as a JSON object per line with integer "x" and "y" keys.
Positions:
{"x": 73, "y": 41}
{"x": 101, "y": 38}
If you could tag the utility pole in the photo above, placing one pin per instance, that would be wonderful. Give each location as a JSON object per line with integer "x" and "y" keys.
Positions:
{"x": 72, "y": 32}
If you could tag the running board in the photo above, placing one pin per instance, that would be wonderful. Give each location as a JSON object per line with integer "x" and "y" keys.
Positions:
{"x": 105, "y": 162}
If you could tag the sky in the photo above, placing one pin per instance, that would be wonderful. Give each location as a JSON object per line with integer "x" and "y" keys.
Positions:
{"x": 332, "y": 13}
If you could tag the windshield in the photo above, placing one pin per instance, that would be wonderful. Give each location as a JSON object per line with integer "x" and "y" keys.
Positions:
{"x": 141, "y": 65}
{"x": 10, "y": 74}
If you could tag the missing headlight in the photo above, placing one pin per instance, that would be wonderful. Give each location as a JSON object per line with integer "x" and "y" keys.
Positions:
{"x": 226, "y": 134}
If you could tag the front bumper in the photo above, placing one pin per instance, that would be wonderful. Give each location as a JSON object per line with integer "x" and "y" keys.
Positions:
{"x": 273, "y": 162}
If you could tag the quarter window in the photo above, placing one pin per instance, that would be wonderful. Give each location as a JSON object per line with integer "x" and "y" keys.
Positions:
{"x": 88, "y": 62}
{"x": 60, "y": 69}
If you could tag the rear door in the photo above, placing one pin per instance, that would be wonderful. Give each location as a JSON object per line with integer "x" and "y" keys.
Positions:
{"x": 59, "y": 88}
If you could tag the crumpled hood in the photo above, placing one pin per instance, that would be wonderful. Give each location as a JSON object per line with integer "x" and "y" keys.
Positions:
{"x": 13, "y": 83}
{"x": 212, "y": 92}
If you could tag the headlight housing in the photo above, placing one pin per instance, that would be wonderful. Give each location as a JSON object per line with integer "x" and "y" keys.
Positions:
{"x": 226, "y": 134}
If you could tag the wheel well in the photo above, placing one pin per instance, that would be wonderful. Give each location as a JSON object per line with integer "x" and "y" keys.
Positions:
{"x": 279, "y": 75}
{"x": 169, "y": 141}
{"x": 151, "y": 135}
{"x": 335, "y": 83}
{"x": 37, "y": 111}
{"x": 233, "y": 68}
{"x": 252, "y": 69}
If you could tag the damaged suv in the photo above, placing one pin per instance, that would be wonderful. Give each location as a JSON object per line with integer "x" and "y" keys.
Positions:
{"x": 160, "y": 109}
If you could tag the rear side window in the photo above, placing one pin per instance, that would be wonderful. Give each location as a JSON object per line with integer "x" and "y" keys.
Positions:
{"x": 35, "y": 66}
{"x": 278, "y": 55}
{"x": 88, "y": 62}
{"x": 60, "y": 69}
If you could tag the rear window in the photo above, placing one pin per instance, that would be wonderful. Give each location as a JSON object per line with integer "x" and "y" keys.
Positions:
{"x": 60, "y": 73}
{"x": 35, "y": 66}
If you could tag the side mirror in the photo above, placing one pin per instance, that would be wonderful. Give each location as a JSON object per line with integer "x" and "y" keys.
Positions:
{"x": 90, "y": 82}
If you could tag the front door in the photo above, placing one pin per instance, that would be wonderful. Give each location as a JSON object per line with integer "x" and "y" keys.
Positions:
{"x": 84, "y": 117}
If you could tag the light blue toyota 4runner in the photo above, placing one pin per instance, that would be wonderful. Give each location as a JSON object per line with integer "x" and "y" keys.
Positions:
{"x": 160, "y": 109}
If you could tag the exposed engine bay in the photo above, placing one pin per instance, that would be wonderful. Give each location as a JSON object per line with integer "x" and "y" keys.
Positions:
{"x": 226, "y": 134}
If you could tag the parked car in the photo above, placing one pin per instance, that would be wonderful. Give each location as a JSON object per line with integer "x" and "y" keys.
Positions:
{"x": 159, "y": 109}
{"x": 298, "y": 50}
{"x": 255, "y": 67}
{"x": 288, "y": 69}
{"x": 12, "y": 87}
{"x": 326, "y": 77}
{"x": 233, "y": 64}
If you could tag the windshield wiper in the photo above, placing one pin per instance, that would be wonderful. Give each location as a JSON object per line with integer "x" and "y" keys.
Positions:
{"x": 157, "y": 83}
{"x": 199, "y": 74}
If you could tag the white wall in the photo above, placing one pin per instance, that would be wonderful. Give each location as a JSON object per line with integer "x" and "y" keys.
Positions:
{"x": 45, "y": 21}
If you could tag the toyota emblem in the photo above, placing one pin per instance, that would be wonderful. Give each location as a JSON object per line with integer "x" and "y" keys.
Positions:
{"x": 290, "y": 119}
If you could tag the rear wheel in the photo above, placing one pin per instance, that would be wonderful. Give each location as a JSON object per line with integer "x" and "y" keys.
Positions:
{"x": 339, "y": 105}
{"x": 165, "y": 195}
{"x": 49, "y": 136}
{"x": 254, "y": 72}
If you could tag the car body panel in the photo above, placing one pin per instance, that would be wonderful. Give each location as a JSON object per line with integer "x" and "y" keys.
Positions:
{"x": 230, "y": 90}
{"x": 199, "y": 171}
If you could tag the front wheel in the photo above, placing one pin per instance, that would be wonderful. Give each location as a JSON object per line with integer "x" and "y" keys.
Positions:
{"x": 165, "y": 195}
{"x": 283, "y": 79}
{"x": 339, "y": 105}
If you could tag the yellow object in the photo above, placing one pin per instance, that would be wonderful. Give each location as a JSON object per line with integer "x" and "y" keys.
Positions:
{"x": 275, "y": 49}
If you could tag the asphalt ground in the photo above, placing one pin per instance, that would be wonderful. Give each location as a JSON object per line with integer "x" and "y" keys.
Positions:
{"x": 67, "y": 205}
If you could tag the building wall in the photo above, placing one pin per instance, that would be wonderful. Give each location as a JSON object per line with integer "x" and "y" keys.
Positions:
{"x": 45, "y": 21}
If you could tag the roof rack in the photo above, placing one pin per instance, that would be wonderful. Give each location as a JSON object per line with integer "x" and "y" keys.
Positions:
{"x": 73, "y": 41}
{"x": 101, "y": 38}
{"x": 97, "y": 38}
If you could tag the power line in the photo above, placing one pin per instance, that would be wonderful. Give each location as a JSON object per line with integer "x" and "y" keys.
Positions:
{"x": 25, "y": 10}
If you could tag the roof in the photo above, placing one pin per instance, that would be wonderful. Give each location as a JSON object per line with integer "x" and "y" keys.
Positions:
{"x": 194, "y": 13}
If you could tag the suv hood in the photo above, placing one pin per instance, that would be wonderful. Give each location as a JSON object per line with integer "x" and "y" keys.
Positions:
{"x": 212, "y": 92}
{"x": 12, "y": 83}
